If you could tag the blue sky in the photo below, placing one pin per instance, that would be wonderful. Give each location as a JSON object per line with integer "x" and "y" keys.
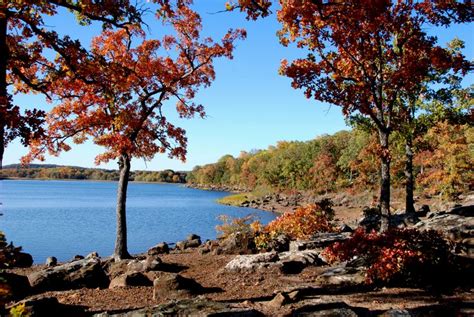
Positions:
{"x": 249, "y": 106}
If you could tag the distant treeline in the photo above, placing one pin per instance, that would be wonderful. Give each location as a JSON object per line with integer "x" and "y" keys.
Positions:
{"x": 36, "y": 171}
{"x": 444, "y": 160}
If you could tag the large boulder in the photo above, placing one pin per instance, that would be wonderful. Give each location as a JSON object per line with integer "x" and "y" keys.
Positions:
{"x": 454, "y": 227}
{"x": 252, "y": 262}
{"x": 289, "y": 262}
{"x": 236, "y": 243}
{"x": 174, "y": 286}
{"x": 76, "y": 274}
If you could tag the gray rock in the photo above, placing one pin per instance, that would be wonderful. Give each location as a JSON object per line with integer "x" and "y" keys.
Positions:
{"x": 160, "y": 248}
{"x": 193, "y": 236}
{"x": 455, "y": 228}
{"x": 319, "y": 241}
{"x": 51, "y": 261}
{"x": 341, "y": 277}
{"x": 289, "y": 262}
{"x": 186, "y": 244}
{"x": 189, "y": 307}
{"x": 251, "y": 262}
{"x": 77, "y": 274}
{"x": 152, "y": 263}
{"x": 92, "y": 255}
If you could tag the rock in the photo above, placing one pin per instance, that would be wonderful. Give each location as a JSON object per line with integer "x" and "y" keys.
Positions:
{"x": 18, "y": 284}
{"x": 51, "y": 261}
{"x": 135, "y": 266}
{"x": 294, "y": 296}
{"x": 48, "y": 306}
{"x": 77, "y": 274}
{"x": 193, "y": 236}
{"x": 455, "y": 228}
{"x": 251, "y": 262}
{"x": 174, "y": 286}
{"x": 189, "y": 307}
{"x": 319, "y": 241}
{"x": 345, "y": 228}
{"x": 289, "y": 262}
{"x": 423, "y": 211}
{"x": 330, "y": 310}
{"x": 278, "y": 301}
{"x": 160, "y": 248}
{"x": 236, "y": 243}
{"x": 186, "y": 244}
{"x": 23, "y": 260}
{"x": 341, "y": 277}
{"x": 77, "y": 257}
{"x": 465, "y": 211}
{"x": 280, "y": 244}
{"x": 92, "y": 255}
{"x": 130, "y": 279}
{"x": 294, "y": 262}
{"x": 152, "y": 263}
{"x": 371, "y": 220}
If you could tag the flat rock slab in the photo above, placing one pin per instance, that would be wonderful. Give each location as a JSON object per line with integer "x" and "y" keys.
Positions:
{"x": 195, "y": 307}
{"x": 320, "y": 240}
{"x": 456, "y": 228}
{"x": 254, "y": 262}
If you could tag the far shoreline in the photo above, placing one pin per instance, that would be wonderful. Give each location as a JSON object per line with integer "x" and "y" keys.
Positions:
{"x": 81, "y": 180}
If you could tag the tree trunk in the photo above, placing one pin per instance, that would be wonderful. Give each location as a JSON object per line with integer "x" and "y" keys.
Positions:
{"x": 410, "y": 179}
{"x": 121, "y": 251}
{"x": 384, "y": 180}
{"x": 3, "y": 79}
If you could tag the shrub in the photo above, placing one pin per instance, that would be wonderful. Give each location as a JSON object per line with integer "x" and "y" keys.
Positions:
{"x": 231, "y": 225}
{"x": 8, "y": 253}
{"x": 397, "y": 256}
{"x": 300, "y": 224}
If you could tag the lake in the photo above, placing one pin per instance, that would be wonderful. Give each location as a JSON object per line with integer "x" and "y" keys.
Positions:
{"x": 65, "y": 218}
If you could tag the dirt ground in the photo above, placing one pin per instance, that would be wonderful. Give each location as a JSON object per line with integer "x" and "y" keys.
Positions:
{"x": 249, "y": 290}
{"x": 254, "y": 289}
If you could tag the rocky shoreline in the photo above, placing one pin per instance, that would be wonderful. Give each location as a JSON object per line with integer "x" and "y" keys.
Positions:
{"x": 226, "y": 276}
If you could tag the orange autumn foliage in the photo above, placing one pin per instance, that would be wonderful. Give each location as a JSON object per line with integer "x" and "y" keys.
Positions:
{"x": 300, "y": 224}
{"x": 117, "y": 96}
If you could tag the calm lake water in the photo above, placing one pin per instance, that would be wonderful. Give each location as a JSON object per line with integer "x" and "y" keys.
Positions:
{"x": 65, "y": 218}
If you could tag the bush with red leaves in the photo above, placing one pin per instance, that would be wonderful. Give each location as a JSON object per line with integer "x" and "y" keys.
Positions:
{"x": 398, "y": 256}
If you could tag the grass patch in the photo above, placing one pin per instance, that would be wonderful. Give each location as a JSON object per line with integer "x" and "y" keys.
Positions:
{"x": 236, "y": 199}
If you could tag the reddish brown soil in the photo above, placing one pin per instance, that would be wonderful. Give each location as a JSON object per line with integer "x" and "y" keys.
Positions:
{"x": 254, "y": 289}
{"x": 248, "y": 290}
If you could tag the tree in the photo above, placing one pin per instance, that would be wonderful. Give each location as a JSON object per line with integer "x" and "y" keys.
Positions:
{"x": 118, "y": 93}
{"x": 363, "y": 55}
{"x": 24, "y": 42}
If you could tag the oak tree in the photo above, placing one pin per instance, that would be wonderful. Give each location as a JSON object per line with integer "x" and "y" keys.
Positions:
{"x": 25, "y": 40}
{"x": 118, "y": 96}
{"x": 362, "y": 56}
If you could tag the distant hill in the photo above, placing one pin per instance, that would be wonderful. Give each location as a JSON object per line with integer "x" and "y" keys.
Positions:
{"x": 53, "y": 171}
